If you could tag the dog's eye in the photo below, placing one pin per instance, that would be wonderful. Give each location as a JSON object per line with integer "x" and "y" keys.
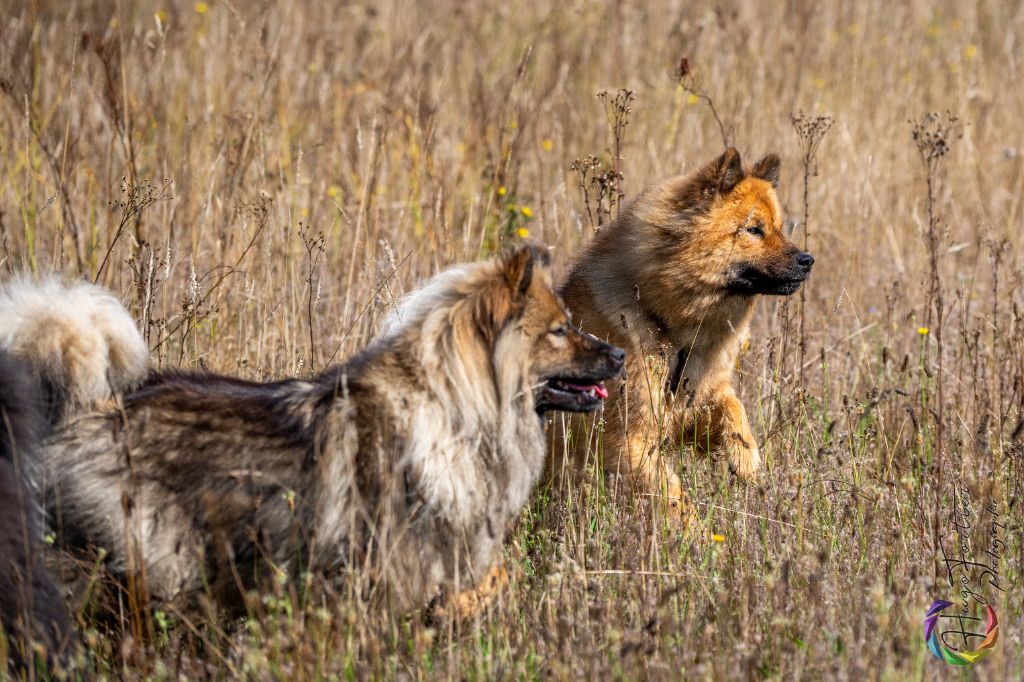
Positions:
{"x": 560, "y": 330}
{"x": 756, "y": 230}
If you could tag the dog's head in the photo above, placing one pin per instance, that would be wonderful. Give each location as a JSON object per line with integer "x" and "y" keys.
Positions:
{"x": 522, "y": 317}
{"x": 722, "y": 226}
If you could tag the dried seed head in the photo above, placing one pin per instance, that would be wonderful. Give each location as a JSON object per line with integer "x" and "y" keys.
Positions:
{"x": 810, "y": 131}
{"x": 932, "y": 134}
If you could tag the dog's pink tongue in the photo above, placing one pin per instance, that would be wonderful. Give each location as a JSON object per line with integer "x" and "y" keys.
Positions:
{"x": 599, "y": 389}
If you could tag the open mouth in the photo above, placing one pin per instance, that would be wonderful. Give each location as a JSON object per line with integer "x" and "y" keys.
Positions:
{"x": 573, "y": 395}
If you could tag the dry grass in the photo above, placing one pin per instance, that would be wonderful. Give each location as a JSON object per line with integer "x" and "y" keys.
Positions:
{"x": 326, "y": 158}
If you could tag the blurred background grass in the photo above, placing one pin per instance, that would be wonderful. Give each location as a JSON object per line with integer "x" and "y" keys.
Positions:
{"x": 265, "y": 179}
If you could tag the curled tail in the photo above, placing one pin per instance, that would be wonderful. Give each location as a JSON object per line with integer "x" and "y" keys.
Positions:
{"x": 77, "y": 339}
{"x": 32, "y": 612}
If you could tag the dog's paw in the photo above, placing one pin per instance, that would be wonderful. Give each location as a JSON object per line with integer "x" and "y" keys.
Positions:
{"x": 744, "y": 457}
{"x": 469, "y": 603}
{"x": 683, "y": 513}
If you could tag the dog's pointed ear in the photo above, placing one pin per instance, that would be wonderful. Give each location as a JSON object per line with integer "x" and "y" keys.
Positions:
{"x": 719, "y": 176}
{"x": 730, "y": 170}
{"x": 505, "y": 295}
{"x": 521, "y": 266}
{"x": 768, "y": 167}
{"x": 519, "y": 270}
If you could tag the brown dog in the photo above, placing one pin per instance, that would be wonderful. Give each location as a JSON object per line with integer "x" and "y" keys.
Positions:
{"x": 674, "y": 281}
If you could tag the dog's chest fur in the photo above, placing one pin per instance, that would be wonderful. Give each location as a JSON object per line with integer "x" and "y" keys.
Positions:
{"x": 683, "y": 357}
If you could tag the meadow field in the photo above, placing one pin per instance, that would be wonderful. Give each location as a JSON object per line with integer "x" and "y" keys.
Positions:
{"x": 262, "y": 181}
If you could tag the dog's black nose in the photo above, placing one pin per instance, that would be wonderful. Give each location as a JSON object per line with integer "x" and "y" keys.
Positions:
{"x": 618, "y": 356}
{"x": 805, "y": 260}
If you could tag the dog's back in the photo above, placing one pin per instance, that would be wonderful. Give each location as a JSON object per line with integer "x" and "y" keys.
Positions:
{"x": 216, "y": 472}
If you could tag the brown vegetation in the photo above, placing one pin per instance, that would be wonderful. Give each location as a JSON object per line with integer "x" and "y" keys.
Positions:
{"x": 268, "y": 178}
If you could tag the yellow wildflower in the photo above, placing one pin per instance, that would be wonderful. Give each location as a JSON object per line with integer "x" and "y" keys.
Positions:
{"x": 333, "y": 191}
{"x": 923, "y": 331}
{"x": 202, "y": 7}
{"x": 502, "y": 191}
{"x": 693, "y": 99}
{"x": 547, "y": 145}
{"x": 718, "y": 538}
{"x": 523, "y": 232}
{"x": 527, "y": 212}
{"x": 971, "y": 51}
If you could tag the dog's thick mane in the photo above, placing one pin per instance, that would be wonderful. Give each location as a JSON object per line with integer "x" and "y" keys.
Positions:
{"x": 481, "y": 412}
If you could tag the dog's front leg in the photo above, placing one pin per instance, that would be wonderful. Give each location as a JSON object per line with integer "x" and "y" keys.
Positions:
{"x": 732, "y": 433}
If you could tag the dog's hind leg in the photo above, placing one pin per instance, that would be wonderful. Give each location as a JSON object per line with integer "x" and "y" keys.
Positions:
{"x": 653, "y": 478}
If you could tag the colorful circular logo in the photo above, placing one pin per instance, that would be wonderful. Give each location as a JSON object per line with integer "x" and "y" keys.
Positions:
{"x": 943, "y": 652}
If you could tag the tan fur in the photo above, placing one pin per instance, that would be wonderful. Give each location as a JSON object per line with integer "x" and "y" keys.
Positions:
{"x": 470, "y": 602}
{"x": 663, "y": 282}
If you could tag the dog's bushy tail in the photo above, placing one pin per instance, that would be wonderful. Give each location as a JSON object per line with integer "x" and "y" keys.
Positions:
{"x": 32, "y": 612}
{"x": 77, "y": 339}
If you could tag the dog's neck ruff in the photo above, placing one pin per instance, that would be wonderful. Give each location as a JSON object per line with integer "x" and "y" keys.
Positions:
{"x": 656, "y": 323}
{"x": 475, "y": 444}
